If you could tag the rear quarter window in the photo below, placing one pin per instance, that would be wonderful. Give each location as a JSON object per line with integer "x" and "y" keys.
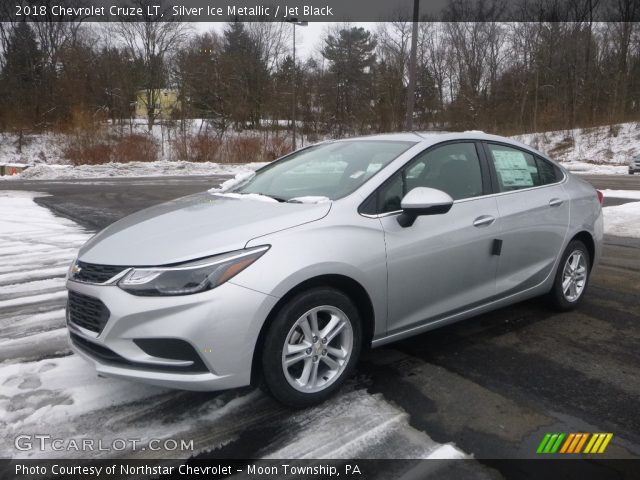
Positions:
{"x": 548, "y": 172}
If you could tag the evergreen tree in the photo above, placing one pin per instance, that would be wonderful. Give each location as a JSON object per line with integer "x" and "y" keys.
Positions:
{"x": 247, "y": 75}
{"x": 351, "y": 56}
{"x": 20, "y": 81}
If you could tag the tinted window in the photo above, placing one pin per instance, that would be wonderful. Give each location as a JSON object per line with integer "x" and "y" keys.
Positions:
{"x": 548, "y": 172}
{"x": 515, "y": 168}
{"x": 453, "y": 168}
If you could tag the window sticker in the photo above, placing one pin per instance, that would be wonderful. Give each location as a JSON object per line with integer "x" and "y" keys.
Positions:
{"x": 512, "y": 168}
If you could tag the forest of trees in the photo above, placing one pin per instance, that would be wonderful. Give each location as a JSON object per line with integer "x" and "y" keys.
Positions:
{"x": 500, "y": 77}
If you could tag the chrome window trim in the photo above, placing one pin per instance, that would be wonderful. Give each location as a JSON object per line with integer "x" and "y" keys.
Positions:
{"x": 489, "y": 195}
{"x": 564, "y": 178}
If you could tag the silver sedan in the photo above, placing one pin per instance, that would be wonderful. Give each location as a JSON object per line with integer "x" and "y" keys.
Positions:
{"x": 283, "y": 277}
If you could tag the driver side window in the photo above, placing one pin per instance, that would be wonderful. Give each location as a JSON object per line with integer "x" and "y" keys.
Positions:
{"x": 453, "y": 168}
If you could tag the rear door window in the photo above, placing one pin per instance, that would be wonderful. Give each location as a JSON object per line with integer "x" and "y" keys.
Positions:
{"x": 515, "y": 169}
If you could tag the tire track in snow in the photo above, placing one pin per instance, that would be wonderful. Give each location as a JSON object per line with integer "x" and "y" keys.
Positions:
{"x": 36, "y": 248}
{"x": 31, "y": 275}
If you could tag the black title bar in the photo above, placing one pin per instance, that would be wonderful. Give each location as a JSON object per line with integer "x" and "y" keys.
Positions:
{"x": 317, "y": 10}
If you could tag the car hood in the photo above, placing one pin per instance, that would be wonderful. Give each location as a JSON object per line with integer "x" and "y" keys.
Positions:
{"x": 193, "y": 227}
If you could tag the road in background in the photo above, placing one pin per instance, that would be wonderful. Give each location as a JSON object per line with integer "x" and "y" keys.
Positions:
{"x": 97, "y": 202}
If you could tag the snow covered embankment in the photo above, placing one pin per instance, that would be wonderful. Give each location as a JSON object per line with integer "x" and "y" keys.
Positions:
{"x": 601, "y": 150}
{"x": 132, "y": 169}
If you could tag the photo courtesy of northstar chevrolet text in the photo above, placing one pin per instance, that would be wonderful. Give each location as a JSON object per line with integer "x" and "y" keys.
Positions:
{"x": 364, "y": 239}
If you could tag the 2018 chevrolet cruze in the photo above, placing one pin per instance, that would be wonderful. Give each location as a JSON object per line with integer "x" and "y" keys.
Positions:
{"x": 282, "y": 278}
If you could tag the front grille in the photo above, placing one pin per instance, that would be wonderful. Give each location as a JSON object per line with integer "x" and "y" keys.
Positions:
{"x": 92, "y": 273}
{"x": 87, "y": 312}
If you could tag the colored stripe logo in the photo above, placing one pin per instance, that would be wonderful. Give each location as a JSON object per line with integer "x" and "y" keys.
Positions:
{"x": 574, "y": 443}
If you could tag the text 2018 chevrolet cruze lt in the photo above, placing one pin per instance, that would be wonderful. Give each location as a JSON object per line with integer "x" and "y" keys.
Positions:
{"x": 283, "y": 278}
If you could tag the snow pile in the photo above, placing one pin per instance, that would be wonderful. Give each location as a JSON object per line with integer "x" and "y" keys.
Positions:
{"x": 632, "y": 194}
{"x": 584, "y": 168}
{"x": 133, "y": 169}
{"x": 247, "y": 196}
{"x": 239, "y": 179}
{"x": 623, "y": 220}
{"x": 310, "y": 199}
{"x": 597, "y": 150}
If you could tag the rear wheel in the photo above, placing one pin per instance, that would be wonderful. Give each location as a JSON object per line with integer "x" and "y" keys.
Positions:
{"x": 572, "y": 277}
{"x": 311, "y": 347}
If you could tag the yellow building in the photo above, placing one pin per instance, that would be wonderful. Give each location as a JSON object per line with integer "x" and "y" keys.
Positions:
{"x": 166, "y": 103}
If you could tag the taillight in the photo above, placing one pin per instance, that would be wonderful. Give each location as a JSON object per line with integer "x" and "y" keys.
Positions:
{"x": 600, "y": 197}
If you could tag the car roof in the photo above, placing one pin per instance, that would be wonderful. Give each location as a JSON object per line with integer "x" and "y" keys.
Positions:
{"x": 431, "y": 137}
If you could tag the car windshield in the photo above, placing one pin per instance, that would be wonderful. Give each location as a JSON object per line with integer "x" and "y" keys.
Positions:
{"x": 329, "y": 170}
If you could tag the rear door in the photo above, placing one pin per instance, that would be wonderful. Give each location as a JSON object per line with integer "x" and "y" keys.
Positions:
{"x": 534, "y": 216}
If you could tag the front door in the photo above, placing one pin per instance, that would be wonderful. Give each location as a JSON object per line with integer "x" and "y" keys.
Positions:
{"x": 442, "y": 263}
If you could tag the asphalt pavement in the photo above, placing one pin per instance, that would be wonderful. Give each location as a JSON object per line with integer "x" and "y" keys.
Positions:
{"x": 97, "y": 202}
{"x": 494, "y": 384}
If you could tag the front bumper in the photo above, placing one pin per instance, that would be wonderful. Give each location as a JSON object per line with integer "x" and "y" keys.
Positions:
{"x": 222, "y": 325}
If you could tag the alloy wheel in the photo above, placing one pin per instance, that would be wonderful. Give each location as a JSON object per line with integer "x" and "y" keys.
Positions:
{"x": 317, "y": 349}
{"x": 574, "y": 276}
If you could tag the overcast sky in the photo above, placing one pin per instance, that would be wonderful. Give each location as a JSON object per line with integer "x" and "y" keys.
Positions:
{"x": 308, "y": 38}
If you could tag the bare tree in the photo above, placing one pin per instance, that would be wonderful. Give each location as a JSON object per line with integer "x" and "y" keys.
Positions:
{"x": 434, "y": 53}
{"x": 151, "y": 42}
{"x": 273, "y": 40}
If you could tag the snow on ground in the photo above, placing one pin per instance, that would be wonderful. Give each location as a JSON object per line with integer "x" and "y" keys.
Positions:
{"x": 36, "y": 248}
{"x": 44, "y": 389}
{"x": 584, "y": 168}
{"x": 597, "y": 150}
{"x": 633, "y": 194}
{"x": 132, "y": 169}
{"x": 623, "y": 220}
{"x": 381, "y": 432}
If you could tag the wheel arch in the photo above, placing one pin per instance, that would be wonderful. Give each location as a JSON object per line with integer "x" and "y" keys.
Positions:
{"x": 347, "y": 285}
{"x": 586, "y": 238}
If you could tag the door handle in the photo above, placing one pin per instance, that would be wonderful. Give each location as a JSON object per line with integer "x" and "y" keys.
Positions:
{"x": 555, "y": 202}
{"x": 484, "y": 221}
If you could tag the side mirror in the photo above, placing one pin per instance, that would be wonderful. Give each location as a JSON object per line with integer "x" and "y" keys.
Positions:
{"x": 423, "y": 201}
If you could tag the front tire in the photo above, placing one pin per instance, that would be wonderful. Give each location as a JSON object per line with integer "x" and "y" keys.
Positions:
{"x": 572, "y": 277}
{"x": 311, "y": 347}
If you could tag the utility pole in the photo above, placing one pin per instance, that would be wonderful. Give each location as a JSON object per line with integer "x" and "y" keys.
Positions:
{"x": 411, "y": 88}
{"x": 294, "y": 21}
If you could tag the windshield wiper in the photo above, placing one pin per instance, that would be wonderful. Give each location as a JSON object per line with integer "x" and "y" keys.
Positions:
{"x": 279, "y": 199}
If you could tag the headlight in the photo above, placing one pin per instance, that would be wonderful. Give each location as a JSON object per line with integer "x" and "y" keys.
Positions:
{"x": 192, "y": 277}
{"x": 73, "y": 268}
